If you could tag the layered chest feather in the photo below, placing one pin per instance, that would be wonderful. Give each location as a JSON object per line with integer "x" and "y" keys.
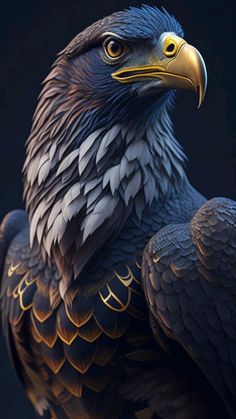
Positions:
{"x": 77, "y": 344}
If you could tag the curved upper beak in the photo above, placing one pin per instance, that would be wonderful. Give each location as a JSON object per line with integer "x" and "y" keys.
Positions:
{"x": 181, "y": 68}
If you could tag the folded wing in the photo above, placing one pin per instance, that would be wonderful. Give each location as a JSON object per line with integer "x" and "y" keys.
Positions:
{"x": 189, "y": 277}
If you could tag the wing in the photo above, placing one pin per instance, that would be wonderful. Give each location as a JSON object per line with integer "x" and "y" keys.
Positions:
{"x": 189, "y": 276}
{"x": 18, "y": 288}
{"x": 11, "y": 225}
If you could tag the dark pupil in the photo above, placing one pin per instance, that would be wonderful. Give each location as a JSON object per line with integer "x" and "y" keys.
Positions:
{"x": 115, "y": 47}
{"x": 170, "y": 47}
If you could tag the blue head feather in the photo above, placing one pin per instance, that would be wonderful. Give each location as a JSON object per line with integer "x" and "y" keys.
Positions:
{"x": 146, "y": 22}
{"x": 81, "y": 62}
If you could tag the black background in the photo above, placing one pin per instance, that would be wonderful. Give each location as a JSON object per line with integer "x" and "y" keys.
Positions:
{"x": 33, "y": 31}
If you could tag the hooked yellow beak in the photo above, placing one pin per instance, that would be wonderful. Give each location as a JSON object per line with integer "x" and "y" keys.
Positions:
{"x": 181, "y": 67}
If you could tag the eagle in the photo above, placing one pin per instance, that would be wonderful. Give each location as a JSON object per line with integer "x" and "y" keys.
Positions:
{"x": 118, "y": 281}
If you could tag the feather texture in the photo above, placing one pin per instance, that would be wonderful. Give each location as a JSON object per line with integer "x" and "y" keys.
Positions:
{"x": 104, "y": 173}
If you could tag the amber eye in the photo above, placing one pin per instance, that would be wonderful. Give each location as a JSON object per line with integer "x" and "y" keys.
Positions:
{"x": 114, "y": 49}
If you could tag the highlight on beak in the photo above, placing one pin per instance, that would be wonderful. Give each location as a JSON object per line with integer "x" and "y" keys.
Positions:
{"x": 182, "y": 68}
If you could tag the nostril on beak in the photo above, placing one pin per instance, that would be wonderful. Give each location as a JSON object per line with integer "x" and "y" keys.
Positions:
{"x": 170, "y": 47}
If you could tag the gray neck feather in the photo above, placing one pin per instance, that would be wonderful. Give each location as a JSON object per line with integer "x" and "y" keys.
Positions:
{"x": 127, "y": 167}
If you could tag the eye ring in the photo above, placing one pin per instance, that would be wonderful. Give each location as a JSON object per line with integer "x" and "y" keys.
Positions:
{"x": 114, "y": 49}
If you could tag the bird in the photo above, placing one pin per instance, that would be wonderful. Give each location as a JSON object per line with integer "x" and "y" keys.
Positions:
{"x": 118, "y": 279}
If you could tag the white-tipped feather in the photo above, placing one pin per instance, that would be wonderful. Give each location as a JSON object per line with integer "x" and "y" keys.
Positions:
{"x": 148, "y": 165}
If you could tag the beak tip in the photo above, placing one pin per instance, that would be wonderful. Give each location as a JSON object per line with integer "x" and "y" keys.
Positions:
{"x": 202, "y": 87}
{"x": 200, "y": 101}
{"x": 201, "y": 95}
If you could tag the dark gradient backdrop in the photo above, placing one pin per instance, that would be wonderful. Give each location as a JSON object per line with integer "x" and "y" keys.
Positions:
{"x": 33, "y": 31}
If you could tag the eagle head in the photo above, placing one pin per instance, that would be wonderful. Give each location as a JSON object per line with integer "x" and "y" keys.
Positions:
{"x": 102, "y": 148}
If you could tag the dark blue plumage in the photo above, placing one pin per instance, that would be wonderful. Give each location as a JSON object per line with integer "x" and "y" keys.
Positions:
{"x": 145, "y": 23}
{"x": 103, "y": 174}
